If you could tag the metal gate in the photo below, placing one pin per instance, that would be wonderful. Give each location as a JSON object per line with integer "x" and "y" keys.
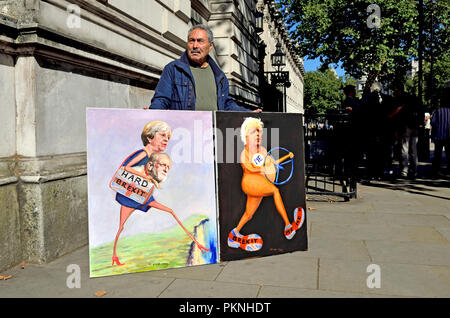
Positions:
{"x": 328, "y": 156}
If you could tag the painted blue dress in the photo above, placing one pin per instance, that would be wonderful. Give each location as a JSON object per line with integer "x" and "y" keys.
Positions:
{"x": 123, "y": 200}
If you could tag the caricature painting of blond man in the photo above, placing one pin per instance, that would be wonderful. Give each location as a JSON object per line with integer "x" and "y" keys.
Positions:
{"x": 263, "y": 192}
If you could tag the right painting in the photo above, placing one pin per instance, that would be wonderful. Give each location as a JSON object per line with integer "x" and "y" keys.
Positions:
{"x": 261, "y": 184}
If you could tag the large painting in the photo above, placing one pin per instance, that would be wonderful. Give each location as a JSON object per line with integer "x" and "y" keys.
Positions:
{"x": 261, "y": 194}
{"x": 151, "y": 190}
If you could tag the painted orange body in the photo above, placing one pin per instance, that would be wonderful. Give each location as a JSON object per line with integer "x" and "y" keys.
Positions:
{"x": 256, "y": 185}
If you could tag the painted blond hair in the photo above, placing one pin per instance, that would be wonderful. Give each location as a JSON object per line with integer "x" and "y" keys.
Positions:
{"x": 248, "y": 123}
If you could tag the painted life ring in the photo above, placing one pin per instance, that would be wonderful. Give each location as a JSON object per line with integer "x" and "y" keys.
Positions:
{"x": 283, "y": 162}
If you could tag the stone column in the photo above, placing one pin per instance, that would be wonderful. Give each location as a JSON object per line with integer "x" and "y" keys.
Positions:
{"x": 10, "y": 240}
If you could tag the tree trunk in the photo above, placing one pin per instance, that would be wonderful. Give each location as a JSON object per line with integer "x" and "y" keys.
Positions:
{"x": 371, "y": 77}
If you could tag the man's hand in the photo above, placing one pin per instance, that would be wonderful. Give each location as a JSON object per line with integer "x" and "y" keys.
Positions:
{"x": 258, "y": 110}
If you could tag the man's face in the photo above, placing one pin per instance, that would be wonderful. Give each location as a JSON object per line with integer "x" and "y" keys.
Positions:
{"x": 198, "y": 47}
{"x": 254, "y": 136}
{"x": 161, "y": 168}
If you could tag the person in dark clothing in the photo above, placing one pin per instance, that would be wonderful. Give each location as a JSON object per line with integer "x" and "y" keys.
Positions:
{"x": 388, "y": 136}
{"x": 195, "y": 81}
{"x": 406, "y": 115}
{"x": 372, "y": 119}
{"x": 440, "y": 132}
{"x": 351, "y": 140}
{"x": 351, "y": 102}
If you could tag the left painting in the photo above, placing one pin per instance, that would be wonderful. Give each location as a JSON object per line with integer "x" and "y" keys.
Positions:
{"x": 151, "y": 190}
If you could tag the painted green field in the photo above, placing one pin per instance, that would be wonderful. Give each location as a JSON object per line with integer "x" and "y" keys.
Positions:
{"x": 144, "y": 252}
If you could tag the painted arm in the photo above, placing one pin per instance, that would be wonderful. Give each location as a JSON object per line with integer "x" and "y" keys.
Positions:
{"x": 289, "y": 155}
{"x": 135, "y": 160}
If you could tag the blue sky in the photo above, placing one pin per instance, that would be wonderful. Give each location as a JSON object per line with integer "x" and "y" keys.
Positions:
{"x": 313, "y": 65}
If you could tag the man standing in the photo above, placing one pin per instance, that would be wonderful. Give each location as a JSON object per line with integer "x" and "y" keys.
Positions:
{"x": 351, "y": 102}
{"x": 351, "y": 141}
{"x": 440, "y": 132}
{"x": 195, "y": 81}
{"x": 406, "y": 115}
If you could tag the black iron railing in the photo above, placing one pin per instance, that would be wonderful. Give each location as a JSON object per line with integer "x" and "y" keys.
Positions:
{"x": 329, "y": 159}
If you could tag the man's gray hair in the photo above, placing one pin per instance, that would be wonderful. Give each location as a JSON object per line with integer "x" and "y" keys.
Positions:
{"x": 156, "y": 155}
{"x": 203, "y": 27}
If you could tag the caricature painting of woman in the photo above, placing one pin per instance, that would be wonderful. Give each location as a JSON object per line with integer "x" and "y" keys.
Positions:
{"x": 257, "y": 222}
{"x": 155, "y": 137}
{"x": 169, "y": 227}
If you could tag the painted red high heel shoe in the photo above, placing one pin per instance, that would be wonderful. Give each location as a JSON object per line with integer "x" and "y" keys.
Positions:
{"x": 115, "y": 259}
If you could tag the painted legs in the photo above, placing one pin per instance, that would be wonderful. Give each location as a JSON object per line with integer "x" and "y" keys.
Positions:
{"x": 253, "y": 242}
{"x": 125, "y": 213}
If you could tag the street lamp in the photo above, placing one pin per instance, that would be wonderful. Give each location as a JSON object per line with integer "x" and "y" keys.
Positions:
{"x": 278, "y": 58}
{"x": 278, "y": 79}
{"x": 259, "y": 16}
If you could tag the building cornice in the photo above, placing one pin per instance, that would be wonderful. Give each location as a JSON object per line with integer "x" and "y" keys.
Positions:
{"x": 278, "y": 30}
{"x": 202, "y": 8}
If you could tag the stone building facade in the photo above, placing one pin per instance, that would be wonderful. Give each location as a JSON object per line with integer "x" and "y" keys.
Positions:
{"x": 274, "y": 31}
{"x": 58, "y": 57}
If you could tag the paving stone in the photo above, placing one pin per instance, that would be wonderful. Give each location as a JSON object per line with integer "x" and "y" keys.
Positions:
{"x": 409, "y": 219}
{"x": 291, "y": 270}
{"x": 37, "y": 282}
{"x": 333, "y": 217}
{"x": 376, "y": 232}
{"x": 344, "y": 276}
{"x": 396, "y": 279}
{"x": 201, "y": 272}
{"x": 415, "y": 280}
{"x": 289, "y": 292}
{"x": 337, "y": 249}
{"x": 409, "y": 252}
{"x": 206, "y": 289}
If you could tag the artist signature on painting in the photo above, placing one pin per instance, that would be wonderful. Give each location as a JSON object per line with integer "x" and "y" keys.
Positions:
{"x": 279, "y": 250}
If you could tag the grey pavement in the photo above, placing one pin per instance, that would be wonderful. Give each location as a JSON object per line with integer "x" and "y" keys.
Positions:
{"x": 403, "y": 227}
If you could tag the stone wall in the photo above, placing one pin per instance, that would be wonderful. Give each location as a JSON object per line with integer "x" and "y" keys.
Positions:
{"x": 237, "y": 47}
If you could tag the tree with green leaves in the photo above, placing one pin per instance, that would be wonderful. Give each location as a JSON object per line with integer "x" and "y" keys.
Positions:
{"x": 441, "y": 74}
{"x": 322, "y": 91}
{"x": 373, "y": 38}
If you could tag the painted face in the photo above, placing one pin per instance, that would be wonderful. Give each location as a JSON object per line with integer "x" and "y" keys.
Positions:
{"x": 161, "y": 169}
{"x": 198, "y": 47}
{"x": 159, "y": 141}
{"x": 254, "y": 136}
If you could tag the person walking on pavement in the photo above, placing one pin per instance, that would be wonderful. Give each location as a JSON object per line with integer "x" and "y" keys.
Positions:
{"x": 406, "y": 115}
{"x": 440, "y": 132}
